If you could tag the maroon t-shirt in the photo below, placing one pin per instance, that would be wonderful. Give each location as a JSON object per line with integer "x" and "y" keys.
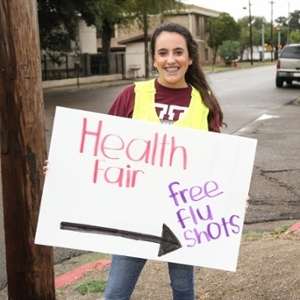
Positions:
{"x": 170, "y": 103}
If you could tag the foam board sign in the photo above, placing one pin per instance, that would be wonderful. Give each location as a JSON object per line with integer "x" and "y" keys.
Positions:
{"x": 122, "y": 186}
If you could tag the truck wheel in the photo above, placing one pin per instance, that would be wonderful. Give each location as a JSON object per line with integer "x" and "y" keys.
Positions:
{"x": 279, "y": 82}
{"x": 289, "y": 81}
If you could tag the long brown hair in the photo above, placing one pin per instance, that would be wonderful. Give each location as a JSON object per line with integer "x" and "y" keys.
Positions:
{"x": 194, "y": 74}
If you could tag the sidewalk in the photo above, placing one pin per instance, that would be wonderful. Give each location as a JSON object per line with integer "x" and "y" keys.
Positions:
{"x": 90, "y": 85}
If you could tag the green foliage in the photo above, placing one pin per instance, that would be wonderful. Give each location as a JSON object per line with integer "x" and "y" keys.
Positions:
{"x": 253, "y": 235}
{"x": 263, "y": 31}
{"x": 57, "y": 58}
{"x": 276, "y": 34}
{"x": 125, "y": 13}
{"x": 294, "y": 37}
{"x": 141, "y": 8}
{"x": 222, "y": 29}
{"x": 281, "y": 229}
{"x": 58, "y": 21}
{"x": 112, "y": 12}
{"x": 257, "y": 24}
{"x": 229, "y": 50}
{"x": 92, "y": 286}
{"x": 292, "y": 22}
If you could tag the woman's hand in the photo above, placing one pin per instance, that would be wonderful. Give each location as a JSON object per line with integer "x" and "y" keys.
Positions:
{"x": 45, "y": 168}
{"x": 247, "y": 202}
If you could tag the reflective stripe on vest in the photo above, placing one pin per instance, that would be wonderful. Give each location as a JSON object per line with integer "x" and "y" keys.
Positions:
{"x": 144, "y": 108}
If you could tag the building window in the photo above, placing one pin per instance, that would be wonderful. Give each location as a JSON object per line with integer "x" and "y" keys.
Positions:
{"x": 197, "y": 26}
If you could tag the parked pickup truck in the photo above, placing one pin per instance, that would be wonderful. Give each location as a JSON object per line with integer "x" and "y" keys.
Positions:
{"x": 288, "y": 65}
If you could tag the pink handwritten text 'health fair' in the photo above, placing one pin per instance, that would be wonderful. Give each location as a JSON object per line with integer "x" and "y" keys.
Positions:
{"x": 162, "y": 150}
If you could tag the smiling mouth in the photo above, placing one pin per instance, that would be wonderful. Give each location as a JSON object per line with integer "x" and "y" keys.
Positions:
{"x": 172, "y": 70}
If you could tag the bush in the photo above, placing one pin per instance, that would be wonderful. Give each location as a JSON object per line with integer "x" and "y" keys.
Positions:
{"x": 229, "y": 51}
{"x": 92, "y": 286}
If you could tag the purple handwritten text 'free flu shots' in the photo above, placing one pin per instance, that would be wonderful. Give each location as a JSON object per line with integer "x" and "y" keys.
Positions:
{"x": 195, "y": 218}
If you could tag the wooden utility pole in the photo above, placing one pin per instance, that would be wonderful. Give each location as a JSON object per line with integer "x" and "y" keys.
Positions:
{"x": 30, "y": 272}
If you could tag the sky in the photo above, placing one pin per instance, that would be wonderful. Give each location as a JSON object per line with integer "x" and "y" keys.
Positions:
{"x": 259, "y": 8}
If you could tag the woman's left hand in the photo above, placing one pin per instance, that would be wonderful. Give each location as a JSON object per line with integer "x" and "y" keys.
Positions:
{"x": 247, "y": 202}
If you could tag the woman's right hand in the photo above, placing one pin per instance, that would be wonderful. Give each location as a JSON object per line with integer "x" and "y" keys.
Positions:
{"x": 45, "y": 168}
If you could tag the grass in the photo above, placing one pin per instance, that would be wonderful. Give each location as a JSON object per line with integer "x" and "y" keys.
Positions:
{"x": 253, "y": 235}
{"x": 240, "y": 65}
{"x": 282, "y": 228}
{"x": 277, "y": 232}
{"x": 93, "y": 257}
{"x": 91, "y": 286}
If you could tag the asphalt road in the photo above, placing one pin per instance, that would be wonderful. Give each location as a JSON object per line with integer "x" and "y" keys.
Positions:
{"x": 254, "y": 108}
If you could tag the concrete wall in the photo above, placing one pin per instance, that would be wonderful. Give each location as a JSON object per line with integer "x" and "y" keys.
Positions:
{"x": 258, "y": 54}
{"x": 135, "y": 60}
{"x": 87, "y": 38}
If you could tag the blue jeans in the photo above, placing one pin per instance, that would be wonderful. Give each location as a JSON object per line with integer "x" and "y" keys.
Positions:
{"x": 125, "y": 271}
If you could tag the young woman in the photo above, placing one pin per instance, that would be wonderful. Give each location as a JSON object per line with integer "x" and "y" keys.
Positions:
{"x": 180, "y": 96}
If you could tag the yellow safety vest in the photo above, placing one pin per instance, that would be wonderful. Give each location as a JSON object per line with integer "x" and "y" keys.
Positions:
{"x": 144, "y": 109}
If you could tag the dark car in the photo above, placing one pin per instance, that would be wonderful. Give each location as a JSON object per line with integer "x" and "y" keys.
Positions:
{"x": 288, "y": 65}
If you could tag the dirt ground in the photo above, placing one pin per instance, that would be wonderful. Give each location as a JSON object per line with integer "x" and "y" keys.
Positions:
{"x": 268, "y": 269}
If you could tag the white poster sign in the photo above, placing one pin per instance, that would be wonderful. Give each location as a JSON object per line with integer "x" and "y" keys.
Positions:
{"x": 116, "y": 185}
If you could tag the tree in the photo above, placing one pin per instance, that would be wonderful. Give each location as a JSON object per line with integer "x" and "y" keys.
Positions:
{"x": 125, "y": 12}
{"x": 229, "y": 51}
{"x": 221, "y": 29}
{"x": 282, "y": 21}
{"x": 244, "y": 40}
{"x": 289, "y": 25}
{"x": 58, "y": 21}
{"x": 294, "y": 37}
{"x": 293, "y": 22}
{"x": 142, "y": 11}
{"x": 112, "y": 12}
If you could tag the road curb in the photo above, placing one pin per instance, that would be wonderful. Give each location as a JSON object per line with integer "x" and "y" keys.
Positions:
{"x": 77, "y": 273}
{"x": 294, "y": 228}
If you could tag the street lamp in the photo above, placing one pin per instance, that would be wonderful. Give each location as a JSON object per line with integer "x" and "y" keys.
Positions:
{"x": 250, "y": 33}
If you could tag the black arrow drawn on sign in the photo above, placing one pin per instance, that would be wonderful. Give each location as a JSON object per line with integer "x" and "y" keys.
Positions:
{"x": 168, "y": 241}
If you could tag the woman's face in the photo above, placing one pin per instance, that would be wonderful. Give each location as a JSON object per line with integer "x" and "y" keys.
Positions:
{"x": 171, "y": 59}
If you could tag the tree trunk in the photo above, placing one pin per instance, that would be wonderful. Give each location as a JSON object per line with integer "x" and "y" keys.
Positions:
{"x": 215, "y": 51}
{"x": 30, "y": 273}
{"x": 145, "y": 27}
{"x": 106, "y": 38}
